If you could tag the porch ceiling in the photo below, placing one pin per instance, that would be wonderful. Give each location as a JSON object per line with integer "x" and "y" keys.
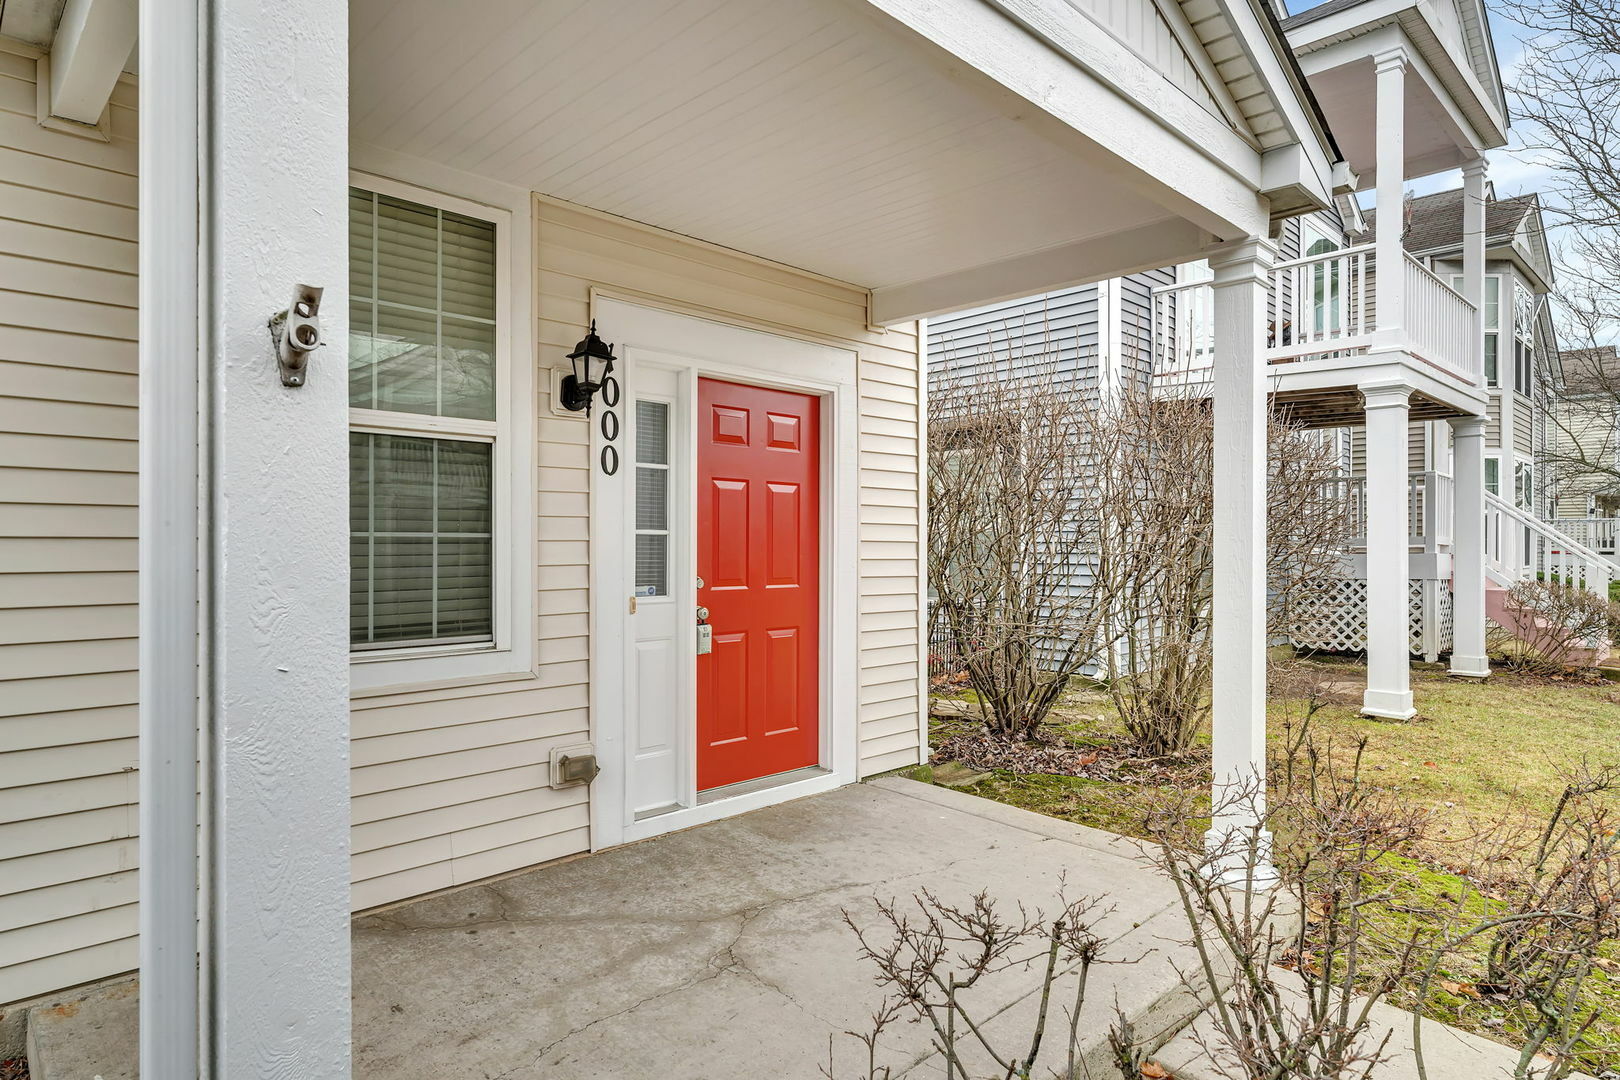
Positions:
{"x": 1435, "y": 140}
{"x": 819, "y": 133}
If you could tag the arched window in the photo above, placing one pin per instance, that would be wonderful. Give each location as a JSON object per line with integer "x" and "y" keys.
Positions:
{"x": 1325, "y": 284}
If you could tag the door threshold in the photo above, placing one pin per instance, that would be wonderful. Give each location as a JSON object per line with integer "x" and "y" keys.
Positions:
{"x": 747, "y": 787}
{"x": 657, "y": 811}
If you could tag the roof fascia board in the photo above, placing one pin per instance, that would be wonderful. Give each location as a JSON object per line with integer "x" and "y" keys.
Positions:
{"x": 1417, "y": 22}
{"x": 1033, "y": 81}
{"x": 1130, "y": 76}
{"x": 1266, "y": 49}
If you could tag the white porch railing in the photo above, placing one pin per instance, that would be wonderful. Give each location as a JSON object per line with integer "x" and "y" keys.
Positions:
{"x": 1441, "y": 326}
{"x": 1521, "y": 547}
{"x": 1599, "y": 534}
{"x": 1429, "y": 509}
{"x": 1322, "y": 308}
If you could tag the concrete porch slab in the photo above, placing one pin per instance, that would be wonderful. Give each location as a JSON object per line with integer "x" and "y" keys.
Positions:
{"x": 721, "y": 951}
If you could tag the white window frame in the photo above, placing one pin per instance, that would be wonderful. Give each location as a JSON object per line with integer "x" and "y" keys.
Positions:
{"x": 1488, "y": 330}
{"x": 1497, "y": 459}
{"x": 511, "y": 653}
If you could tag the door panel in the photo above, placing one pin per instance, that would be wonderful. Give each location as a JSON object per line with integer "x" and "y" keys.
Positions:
{"x": 759, "y": 556}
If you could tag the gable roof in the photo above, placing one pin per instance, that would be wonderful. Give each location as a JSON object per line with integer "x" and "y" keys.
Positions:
{"x": 1591, "y": 370}
{"x": 1434, "y": 223}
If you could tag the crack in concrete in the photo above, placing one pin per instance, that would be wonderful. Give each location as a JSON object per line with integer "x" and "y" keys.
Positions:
{"x": 713, "y": 972}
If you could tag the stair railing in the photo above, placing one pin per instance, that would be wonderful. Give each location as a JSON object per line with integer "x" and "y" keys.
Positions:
{"x": 1521, "y": 547}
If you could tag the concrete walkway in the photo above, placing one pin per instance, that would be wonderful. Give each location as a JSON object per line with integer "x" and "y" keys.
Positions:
{"x": 720, "y": 952}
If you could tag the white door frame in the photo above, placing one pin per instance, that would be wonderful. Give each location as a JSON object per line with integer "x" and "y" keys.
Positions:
{"x": 703, "y": 346}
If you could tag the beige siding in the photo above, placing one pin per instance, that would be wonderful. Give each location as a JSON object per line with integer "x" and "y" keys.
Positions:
{"x": 1589, "y": 428}
{"x": 445, "y": 781}
{"x": 67, "y": 544}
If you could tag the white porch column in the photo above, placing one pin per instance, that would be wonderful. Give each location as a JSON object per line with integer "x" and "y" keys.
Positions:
{"x": 1389, "y": 689}
{"x": 1389, "y": 287}
{"x": 1468, "y": 550}
{"x": 277, "y": 214}
{"x": 250, "y": 102}
{"x": 1239, "y": 619}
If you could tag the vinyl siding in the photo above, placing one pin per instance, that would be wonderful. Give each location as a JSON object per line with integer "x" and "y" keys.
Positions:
{"x": 1591, "y": 427}
{"x": 1524, "y": 426}
{"x": 67, "y": 544}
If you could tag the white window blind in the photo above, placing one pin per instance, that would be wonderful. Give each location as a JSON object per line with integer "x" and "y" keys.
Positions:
{"x": 652, "y": 498}
{"x": 423, "y": 331}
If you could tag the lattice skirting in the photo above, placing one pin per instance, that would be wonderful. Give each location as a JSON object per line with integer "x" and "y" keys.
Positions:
{"x": 1331, "y": 616}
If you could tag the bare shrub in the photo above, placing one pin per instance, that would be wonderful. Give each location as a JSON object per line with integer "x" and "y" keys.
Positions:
{"x": 1069, "y": 531}
{"x": 931, "y": 957}
{"x": 1158, "y": 563}
{"x": 1554, "y": 627}
{"x": 1295, "y": 995}
{"x": 1355, "y": 919}
{"x": 1011, "y": 460}
{"x": 1555, "y": 907}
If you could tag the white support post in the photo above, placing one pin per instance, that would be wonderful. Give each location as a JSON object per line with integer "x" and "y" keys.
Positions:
{"x": 1239, "y": 617}
{"x": 1473, "y": 239}
{"x": 274, "y": 208}
{"x": 1389, "y": 286}
{"x": 1468, "y": 658}
{"x": 1389, "y": 686}
{"x": 169, "y": 531}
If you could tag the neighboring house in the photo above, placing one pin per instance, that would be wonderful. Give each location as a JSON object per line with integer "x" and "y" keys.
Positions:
{"x": 1583, "y": 473}
{"x": 402, "y": 594}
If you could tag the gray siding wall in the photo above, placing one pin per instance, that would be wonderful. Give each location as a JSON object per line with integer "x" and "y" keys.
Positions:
{"x": 1054, "y": 335}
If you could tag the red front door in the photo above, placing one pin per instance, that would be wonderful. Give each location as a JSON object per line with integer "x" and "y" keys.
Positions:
{"x": 759, "y": 556}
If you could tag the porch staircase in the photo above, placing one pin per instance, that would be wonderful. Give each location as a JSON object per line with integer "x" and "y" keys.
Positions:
{"x": 1521, "y": 547}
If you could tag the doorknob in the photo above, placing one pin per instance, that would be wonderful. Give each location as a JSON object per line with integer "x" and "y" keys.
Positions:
{"x": 702, "y": 613}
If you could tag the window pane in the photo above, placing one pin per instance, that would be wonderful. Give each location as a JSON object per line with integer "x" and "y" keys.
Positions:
{"x": 652, "y": 502}
{"x": 421, "y": 554}
{"x": 467, "y": 370}
{"x": 652, "y": 432}
{"x": 469, "y": 266}
{"x": 1490, "y": 360}
{"x": 407, "y": 253}
{"x": 1493, "y": 303}
{"x": 423, "y": 309}
{"x": 652, "y": 564}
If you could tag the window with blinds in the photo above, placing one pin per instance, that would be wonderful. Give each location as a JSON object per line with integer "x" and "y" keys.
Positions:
{"x": 652, "y": 498}
{"x": 422, "y": 345}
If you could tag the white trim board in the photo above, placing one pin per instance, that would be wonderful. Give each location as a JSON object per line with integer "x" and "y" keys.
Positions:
{"x": 703, "y": 347}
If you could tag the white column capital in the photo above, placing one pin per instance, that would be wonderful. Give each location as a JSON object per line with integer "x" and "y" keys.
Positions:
{"x": 1390, "y": 59}
{"x": 1467, "y": 427}
{"x": 1249, "y": 259}
{"x": 1391, "y": 395}
{"x": 1476, "y": 168}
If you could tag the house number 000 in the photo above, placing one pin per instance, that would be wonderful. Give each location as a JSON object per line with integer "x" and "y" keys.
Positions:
{"x": 610, "y": 425}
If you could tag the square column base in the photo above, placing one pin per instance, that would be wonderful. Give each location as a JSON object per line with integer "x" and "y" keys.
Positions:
{"x": 1469, "y": 667}
{"x": 1242, "y": 857}
{"x": 1388, "y": 704}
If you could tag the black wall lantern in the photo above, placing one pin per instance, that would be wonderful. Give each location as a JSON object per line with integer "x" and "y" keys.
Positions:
{"x": 593, "y": 363}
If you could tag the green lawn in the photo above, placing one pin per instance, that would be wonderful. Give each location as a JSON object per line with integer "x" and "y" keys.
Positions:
{"x": 1478, "y": 752}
